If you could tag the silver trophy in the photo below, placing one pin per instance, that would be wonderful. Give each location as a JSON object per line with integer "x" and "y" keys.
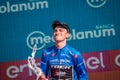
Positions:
{"x": 32, "y": 65}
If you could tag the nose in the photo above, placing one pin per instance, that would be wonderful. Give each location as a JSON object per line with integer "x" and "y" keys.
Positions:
{"x": 56, "y": 32}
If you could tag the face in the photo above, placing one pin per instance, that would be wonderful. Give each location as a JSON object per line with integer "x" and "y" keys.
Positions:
{"x": 60, "y": 34}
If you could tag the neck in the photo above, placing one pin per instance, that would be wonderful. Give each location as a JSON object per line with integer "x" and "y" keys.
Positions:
{"x": 60, "y": 45}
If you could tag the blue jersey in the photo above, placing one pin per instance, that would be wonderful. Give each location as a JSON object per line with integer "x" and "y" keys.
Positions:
{"x": 63, "y": 64}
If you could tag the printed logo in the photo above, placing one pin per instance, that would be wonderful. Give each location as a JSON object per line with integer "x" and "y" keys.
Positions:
{"x": 36, "y": 37}
{"x": 40, "y": 39}
{"x": 9, "y": 7}
{"x": 75, "y": 56}
{"x": 96, "y": 3}
{"x": 53, "y": 54}
{"x": 61, "y": 72}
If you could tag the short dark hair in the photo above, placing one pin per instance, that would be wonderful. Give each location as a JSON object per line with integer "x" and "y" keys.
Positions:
{"x": 57, "y": 23}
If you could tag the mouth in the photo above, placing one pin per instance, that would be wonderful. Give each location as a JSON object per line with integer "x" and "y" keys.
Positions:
{"x": 57, "y": 36}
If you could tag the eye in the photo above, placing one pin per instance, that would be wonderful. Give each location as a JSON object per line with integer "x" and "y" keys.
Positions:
{"x": 61, "y": 30}
{"x": 55, "y": 30}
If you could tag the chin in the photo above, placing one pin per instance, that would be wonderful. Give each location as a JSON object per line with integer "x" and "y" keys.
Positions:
{"x": 57, "y": 40}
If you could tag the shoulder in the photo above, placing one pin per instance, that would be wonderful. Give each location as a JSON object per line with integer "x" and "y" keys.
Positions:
{"x": 48, "y": 50}
{"x": 72, "y": 50}
{"x": 77, "y": 56}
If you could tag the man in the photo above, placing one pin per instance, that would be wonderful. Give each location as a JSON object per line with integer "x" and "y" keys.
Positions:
{"x": 60, "y": 61}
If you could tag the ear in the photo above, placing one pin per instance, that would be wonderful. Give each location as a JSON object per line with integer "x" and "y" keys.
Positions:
{"x": 68, "y": 35}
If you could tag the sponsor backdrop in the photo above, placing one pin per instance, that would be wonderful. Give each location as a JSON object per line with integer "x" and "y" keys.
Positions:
{"x": 94, "y": 24}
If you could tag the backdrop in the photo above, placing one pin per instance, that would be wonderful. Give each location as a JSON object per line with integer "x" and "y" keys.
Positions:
{"x": 94, "y": 25}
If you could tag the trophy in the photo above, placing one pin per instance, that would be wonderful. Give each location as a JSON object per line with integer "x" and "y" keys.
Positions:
{"x": 32, "y": 65}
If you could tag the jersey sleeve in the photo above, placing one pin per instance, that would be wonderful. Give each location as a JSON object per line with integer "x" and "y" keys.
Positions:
{"x": 44, "y": 64}
{"x": 80, "y": 67}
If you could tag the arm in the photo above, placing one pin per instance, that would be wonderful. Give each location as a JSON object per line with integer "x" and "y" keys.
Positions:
{"x": 80, "y": 67}
{"x": 44, "y": 64}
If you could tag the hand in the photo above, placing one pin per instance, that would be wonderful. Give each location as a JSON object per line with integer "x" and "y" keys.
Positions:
{"x": 42, "y": 77}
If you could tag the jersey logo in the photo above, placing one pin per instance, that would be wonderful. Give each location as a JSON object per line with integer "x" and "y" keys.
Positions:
{"x": 53, "y": 54}
{"x": 75, "y": 56}
{"x": 61, "y": 72}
